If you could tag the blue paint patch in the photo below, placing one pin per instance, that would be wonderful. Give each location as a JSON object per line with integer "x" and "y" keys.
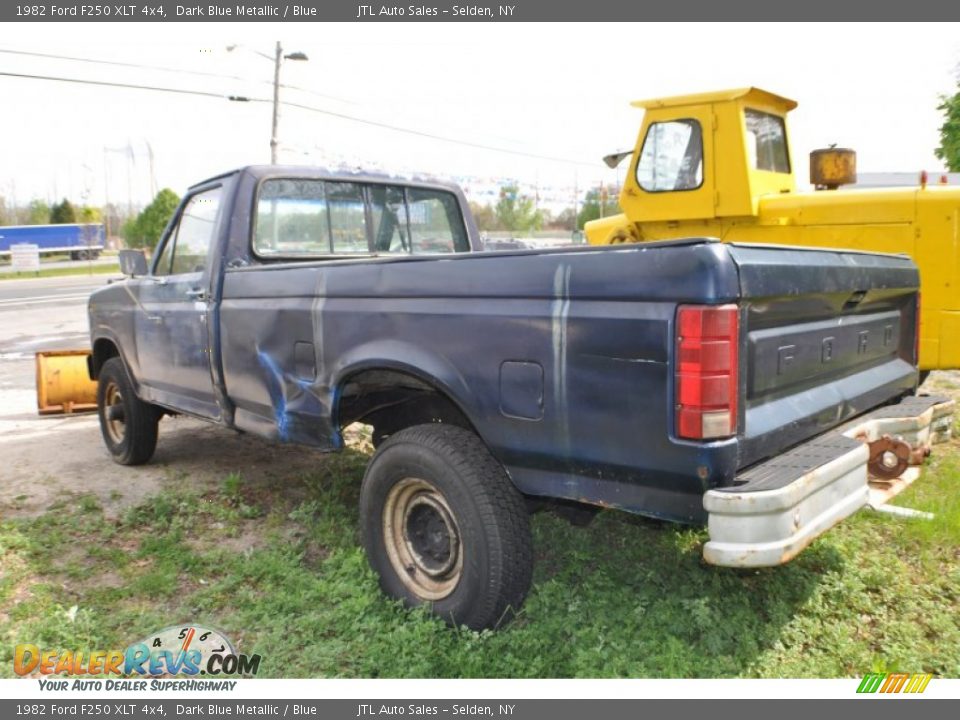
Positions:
{"x": 277, "y": 396}
{"x": 336, "y": 436}
{"x": 299, "y": 414}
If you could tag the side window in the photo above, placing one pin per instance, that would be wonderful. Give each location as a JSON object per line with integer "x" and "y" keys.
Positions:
{"x": 767, "y": 141}
{"x": 348, "y": 219}
{"x": 163, "y": 264}
{"x": 671, "y": 157}
{"x": 292, "y": 218}
{"x": 436, "y": 225}
{"x": 388, "y": 210}
{"x": 189, "y": 244}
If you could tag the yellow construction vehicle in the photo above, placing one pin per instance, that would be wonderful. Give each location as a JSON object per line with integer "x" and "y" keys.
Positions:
{"x": 718, "y": 165}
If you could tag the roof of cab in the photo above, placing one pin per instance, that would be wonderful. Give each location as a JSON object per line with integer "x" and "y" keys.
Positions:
{"x": 306, "y": 171}
{"x": 717, "y": 96}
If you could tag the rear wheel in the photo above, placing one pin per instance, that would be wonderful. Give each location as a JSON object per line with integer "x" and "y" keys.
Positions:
{"x": 443, "y": 526}
{"x": 128, "y": 425}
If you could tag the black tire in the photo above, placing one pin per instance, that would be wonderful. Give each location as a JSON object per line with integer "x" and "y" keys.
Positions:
{"x": 128, "y": 425}
{"x": 435, "y": 502}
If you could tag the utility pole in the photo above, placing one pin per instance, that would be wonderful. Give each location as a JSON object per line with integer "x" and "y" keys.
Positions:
{"x": 131, "y": 160}
{"x": 13, "y": 201}
{"x": 106, "y": 195}
{"x": 278, "y": 58}
{"x": 575, "y": 199}
{"x": 276, "y": 103}
{"x": 153, "y": 174}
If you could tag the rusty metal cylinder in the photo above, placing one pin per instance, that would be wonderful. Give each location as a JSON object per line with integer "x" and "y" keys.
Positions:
{"x": 832, "y": 167}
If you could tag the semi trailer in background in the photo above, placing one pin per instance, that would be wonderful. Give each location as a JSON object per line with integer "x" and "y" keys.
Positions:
{"x": 83, "y": 241}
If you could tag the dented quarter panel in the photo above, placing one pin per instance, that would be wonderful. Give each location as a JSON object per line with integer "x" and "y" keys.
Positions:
{"x": 603, "y": 343}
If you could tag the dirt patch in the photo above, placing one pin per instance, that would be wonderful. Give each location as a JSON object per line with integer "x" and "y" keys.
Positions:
{"x": 50, "y": 461}
{"x": 249, "y": 538}
{"x": 943, "y": 382}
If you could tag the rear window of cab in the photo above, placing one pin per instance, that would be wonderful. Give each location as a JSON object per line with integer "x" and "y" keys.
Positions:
{"x": 309, "y": 218}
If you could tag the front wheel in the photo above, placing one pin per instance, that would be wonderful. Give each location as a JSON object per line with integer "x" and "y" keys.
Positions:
{"x": 443, "y": 526}
{"x": 128, "y": 425}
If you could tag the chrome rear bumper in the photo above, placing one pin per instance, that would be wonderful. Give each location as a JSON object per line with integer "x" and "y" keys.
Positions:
{"x": 779, "y": 507}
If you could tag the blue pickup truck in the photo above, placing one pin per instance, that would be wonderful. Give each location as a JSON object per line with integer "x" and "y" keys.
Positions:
{"x": 756, "y": 389}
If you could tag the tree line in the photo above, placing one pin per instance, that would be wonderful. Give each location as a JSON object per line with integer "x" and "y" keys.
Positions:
{"x": 139, "y": 230}
{"x": 949, "y": 148}
{"x": 39, "y": 212}
{"x": 518, "y": 212}
{"x": 514, "y": 212}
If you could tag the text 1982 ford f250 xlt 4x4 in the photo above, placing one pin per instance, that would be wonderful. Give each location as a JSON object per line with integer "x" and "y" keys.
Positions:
{"x": 751, "y": 388}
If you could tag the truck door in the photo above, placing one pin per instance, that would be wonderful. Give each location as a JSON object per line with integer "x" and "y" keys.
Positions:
{"x": 173, "y": 338}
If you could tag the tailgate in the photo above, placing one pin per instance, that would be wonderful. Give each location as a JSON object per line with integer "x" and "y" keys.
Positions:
{"x": 827, "y": 335}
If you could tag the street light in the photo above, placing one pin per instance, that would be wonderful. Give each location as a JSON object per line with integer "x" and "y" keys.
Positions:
{"x": 278, "y": 58}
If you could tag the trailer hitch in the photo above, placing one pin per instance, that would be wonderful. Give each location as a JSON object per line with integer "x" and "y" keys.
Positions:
{"x": 889, "y": 458}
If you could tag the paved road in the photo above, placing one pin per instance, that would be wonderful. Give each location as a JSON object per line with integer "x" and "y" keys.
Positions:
{"x": 44, "y": 314}
{"x": 16, "y": 294}
{"x": 8, "y": 269}
{"x": 47, "y": 459}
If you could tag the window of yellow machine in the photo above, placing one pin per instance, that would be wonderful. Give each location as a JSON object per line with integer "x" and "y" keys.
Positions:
{"x": 671, "y": 157}
{"x": 766, "y": 141}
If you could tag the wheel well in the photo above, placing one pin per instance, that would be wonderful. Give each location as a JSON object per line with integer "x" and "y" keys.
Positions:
{"x": 391, "y": 400}
{"x": 103, "y": 350}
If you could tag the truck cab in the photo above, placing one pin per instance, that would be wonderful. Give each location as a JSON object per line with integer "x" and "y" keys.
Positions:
{"x": 719, "y": 164}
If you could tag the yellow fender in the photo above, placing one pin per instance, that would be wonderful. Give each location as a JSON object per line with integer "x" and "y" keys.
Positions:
{"x": 611, "y": 230}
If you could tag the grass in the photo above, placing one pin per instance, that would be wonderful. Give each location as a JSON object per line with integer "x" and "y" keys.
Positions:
{"x": 278, "y": 568}
{"x": 63, "y": 272}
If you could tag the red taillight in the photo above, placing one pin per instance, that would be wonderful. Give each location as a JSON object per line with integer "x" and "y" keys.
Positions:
{"x": 708, "y": 343}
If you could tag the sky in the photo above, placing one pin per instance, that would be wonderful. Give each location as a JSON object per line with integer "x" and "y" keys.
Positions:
{"x": 558, "y": 91}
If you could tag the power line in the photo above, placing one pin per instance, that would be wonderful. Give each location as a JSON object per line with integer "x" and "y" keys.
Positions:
{"x": 104, "y": 83}
{"x": 309, "y": 108}
{"x": 200, "y": 73}
{"x": 431, "y": 136}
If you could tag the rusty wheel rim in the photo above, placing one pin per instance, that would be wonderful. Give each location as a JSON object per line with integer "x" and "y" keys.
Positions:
{"x": 422, "y": 539}
{"x": 113, "y": 413}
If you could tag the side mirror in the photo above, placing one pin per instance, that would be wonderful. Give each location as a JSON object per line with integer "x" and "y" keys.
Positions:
{"x": 614, "y": 159}
{"x": 133, "y": 263}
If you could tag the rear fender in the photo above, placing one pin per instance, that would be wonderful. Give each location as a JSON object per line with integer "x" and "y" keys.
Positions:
{"x": 430, "y": 368}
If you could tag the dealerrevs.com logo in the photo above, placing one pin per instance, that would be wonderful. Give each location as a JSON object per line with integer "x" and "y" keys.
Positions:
{"x": 894, "y": 683}
{"x": 179, "y": 650}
